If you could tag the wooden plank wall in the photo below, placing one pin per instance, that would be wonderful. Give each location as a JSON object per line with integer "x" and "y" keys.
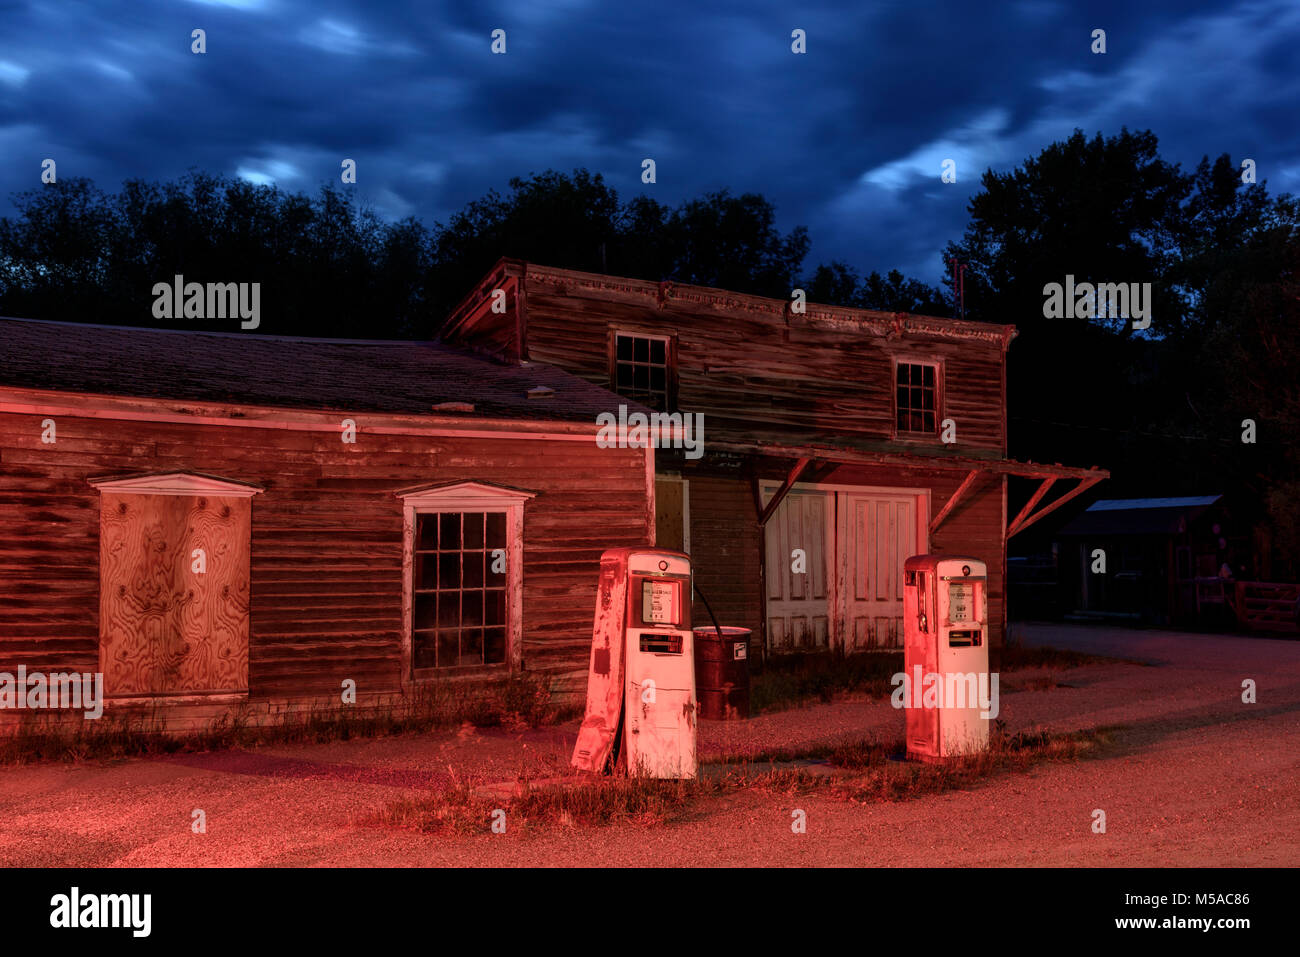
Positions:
{"x": 724, "y": 549}
{"x": 326, "y": 541}
{"x": 755, "y": 377}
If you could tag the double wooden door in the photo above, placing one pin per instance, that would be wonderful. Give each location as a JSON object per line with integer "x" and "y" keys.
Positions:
{"x": 834, "y": 568}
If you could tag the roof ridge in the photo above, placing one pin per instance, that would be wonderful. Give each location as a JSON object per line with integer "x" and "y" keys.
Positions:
{"x": 227, "y": 335}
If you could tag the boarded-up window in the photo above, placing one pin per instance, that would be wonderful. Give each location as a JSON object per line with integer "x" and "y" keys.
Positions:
{"x": 917, "y": 397}
{"x": 174, "y": 585}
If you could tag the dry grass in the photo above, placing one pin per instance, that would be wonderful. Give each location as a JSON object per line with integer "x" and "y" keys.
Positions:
{"x": 1016, "y": 656}
{"x": 586, "y": 801}
{"x": 790, "y": 681}
{"x": 860, "y": 772}
{"x": 522, "y": 700}
{"x": 873, "y": 771}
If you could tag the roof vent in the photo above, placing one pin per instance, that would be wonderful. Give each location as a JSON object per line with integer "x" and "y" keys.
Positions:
{"x": 541, "y": 392}
{"x": 453, "y": 407}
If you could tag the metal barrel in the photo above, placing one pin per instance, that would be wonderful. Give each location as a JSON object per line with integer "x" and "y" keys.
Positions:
{"x": 722, "y": 672}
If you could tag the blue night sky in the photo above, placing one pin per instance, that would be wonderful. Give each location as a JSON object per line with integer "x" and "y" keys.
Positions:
{"x": 847, "y": 139}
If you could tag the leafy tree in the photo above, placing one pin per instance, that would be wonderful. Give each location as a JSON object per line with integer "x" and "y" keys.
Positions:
{"x": 1161, "y": 408}
{"x": 896, "y": 293}
{"x": 837, "y": 284}
{"x": 1102, "y": 210}
{"x": 731, "y": 242}
{"x": 326, "y": 267}
{"x": 577, "y": 222}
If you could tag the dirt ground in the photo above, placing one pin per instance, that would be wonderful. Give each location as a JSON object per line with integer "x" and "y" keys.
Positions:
{"x": 1200, "y": 778}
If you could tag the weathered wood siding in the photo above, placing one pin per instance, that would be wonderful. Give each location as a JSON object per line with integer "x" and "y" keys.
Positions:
{"x": 326, "y": 551}
{"x": 761, "y": 375}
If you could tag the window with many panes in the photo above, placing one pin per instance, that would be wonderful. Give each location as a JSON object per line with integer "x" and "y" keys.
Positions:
{"x": 464, "y": 576}
{"x": 459, "y": 595}
{"x": 642, "y": 369}
{"x": 917, "y": 397}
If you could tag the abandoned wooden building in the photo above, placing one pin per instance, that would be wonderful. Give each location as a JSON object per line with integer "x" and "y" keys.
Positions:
{"x": 835, "y": 443}
{"x": 209, "y": 519}
{"x": 212, "y": 519}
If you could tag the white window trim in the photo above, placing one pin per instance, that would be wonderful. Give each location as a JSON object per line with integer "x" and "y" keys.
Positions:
{"x": 940, "y": 397}
{"x": 465, "y": 497}
{"x": 176, "y": 483}
{"x": 667, "y": 340}
{"x": 632, "y": 333}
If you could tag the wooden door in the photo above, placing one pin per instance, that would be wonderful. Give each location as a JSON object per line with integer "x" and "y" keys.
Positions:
{"x": 797, "y": 587}
{"x": 877, "y": 532}
{"x": 174, "y": 593}
{"x": 670, "y": 513}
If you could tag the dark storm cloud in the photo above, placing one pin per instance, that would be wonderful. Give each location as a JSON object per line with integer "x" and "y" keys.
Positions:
{"x": 847, "y": 139}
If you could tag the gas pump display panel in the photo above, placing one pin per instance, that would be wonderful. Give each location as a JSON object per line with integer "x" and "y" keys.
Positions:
{"x": 961, "y": 601}
{"x": 658, "y": 602}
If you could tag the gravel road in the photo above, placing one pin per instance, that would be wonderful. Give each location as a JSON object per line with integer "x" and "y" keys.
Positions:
{"x": 1199, "y": 778}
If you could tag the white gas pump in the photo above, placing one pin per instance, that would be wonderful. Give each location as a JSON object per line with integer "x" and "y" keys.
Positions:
{"x": 641, "y": 684}
{"x": 946, "y": 655}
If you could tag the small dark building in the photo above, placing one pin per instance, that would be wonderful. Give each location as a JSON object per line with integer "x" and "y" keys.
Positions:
{"x": 1158, "y": 560}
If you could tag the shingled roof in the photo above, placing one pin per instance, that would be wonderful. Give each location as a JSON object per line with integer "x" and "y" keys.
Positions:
{"x": 385, "y": 376}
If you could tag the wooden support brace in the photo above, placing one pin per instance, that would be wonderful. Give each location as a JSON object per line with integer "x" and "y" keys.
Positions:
{"x": 1037, "y": 497}
{"x": 957, "y": 496}
{"x": 783, "y": 491}
{"x": 1083, "y": 486}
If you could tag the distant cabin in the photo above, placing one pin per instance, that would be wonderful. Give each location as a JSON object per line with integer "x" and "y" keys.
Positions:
{"x": 1190, "y": 560}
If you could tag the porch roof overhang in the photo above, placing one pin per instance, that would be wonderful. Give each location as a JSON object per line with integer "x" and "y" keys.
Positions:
{"x": 1033, "y": 510}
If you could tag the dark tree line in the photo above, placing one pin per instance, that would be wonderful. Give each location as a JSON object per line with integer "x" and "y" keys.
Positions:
{"x": 1163, "y": 407}
{"x": 331, "y": 268}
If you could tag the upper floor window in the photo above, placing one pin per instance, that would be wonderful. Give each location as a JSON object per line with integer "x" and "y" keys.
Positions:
{"x": 917, "y": 397}
{"x": 642, "y": 369}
